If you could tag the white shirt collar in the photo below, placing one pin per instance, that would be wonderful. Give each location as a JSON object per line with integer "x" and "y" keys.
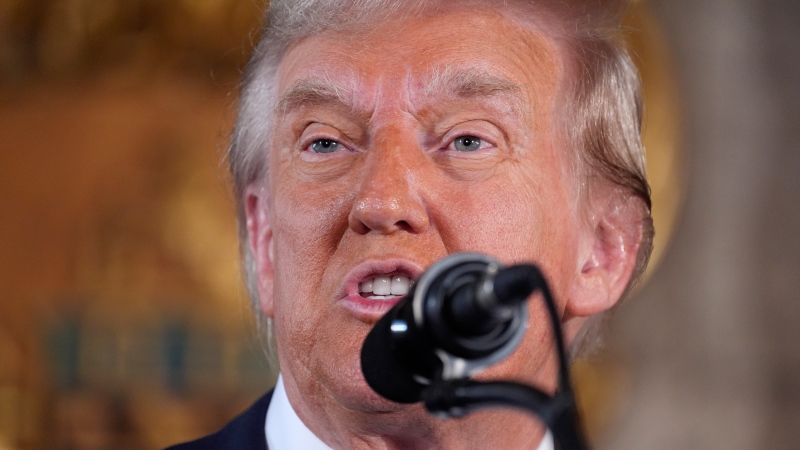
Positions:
{"x": 285, "y": 431}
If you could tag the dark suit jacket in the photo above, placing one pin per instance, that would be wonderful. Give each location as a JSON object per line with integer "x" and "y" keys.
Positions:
{"x": 246, "y": 432}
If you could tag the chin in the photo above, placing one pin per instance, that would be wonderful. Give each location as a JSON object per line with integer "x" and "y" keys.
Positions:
{"x": 353, "y": 393}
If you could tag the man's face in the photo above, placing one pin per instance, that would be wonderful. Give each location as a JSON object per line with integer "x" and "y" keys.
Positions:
{"x": 397, "y": 147}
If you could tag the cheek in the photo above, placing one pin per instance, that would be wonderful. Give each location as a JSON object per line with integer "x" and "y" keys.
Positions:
{"x": 521, "y": 218}
{"x": 504, "y": 224}
{"x": 507, "y": 217}
{"x": 308, "y": 223}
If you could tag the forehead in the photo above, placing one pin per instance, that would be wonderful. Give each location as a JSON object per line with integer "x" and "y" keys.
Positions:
{"x": 416, "y": 55}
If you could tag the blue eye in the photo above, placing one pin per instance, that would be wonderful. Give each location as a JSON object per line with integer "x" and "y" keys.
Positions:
{"x": 467, "y": 143}
{"x": 324, "y": 146}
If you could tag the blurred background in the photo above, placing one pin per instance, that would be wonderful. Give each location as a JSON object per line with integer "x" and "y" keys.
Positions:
{"x": 123, "y": 322}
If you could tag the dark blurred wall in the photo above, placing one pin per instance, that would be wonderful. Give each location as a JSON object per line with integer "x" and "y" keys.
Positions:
{"x": 712, "y": 340}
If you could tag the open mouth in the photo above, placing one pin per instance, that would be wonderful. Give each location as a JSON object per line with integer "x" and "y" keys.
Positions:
{"x": 385, "y": 287}
{"x": 375, "y": 285}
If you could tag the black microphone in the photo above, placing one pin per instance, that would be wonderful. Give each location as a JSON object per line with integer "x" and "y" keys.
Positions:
{"x": 465, "y": 313}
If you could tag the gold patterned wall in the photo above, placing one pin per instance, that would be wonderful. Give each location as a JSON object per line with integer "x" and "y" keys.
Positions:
{"x": 123, "y": 323}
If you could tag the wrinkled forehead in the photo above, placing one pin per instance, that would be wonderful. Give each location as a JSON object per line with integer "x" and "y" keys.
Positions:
{"x": 452, "y": 52}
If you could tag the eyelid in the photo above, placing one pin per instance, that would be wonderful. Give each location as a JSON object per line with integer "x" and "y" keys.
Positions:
{"x": 307, "y": 143}
{"x": 450, "y": 138}
{"x": 325, "y": 132}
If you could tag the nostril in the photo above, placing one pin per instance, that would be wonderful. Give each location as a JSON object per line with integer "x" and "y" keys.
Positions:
{"x": 405, "y": 226}
{"x": 359, "y": 227}
{"x": 364, "y": 226}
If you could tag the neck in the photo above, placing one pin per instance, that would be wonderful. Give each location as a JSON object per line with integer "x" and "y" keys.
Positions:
{"x": 348, "y": 422}
{"x": 489, "y": 429}
{"x": 412, "y": 427}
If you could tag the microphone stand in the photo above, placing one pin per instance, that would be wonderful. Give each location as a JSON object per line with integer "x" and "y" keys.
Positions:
{"x": 459, "y": 397}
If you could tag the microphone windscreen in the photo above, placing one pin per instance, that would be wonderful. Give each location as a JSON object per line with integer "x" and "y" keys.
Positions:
{"x": 382, "y": 370}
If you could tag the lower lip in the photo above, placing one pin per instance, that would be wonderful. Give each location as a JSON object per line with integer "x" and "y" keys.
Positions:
{"x": 368, "y": 310}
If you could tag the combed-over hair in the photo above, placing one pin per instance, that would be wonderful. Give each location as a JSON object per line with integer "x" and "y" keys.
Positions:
{"x": 600, "y": 110}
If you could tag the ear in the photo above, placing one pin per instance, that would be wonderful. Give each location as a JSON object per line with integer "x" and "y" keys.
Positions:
{"x": 609, "y": 245}
{"x": 259, "y": 236}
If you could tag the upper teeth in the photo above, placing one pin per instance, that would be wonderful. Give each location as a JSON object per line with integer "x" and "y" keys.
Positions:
{"x": 385, "y": 286}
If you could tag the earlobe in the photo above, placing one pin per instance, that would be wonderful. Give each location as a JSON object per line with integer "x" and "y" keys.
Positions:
{"x": 260, "y": 242}
{"x": 608, "y": 254}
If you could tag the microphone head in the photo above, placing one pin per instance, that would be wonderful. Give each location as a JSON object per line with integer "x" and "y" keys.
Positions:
{"x": 424, "y": 338}
{"x": 383, "y": 370}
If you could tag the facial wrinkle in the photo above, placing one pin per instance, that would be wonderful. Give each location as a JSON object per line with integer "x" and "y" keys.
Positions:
{"x": 323, "y": 89}
{"x": 471, "y": 83}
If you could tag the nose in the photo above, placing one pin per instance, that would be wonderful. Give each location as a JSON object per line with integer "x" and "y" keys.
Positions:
{"x": 390, "y": 196}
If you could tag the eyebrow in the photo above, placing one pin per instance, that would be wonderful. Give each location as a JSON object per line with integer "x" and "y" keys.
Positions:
{"x": 472, "y": 83}
{"x": 314, "y": 91}
{"x": 447, "y": 82}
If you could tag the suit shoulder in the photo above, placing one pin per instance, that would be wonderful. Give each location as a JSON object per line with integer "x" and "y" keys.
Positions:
{"x": 245, "y": 431}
